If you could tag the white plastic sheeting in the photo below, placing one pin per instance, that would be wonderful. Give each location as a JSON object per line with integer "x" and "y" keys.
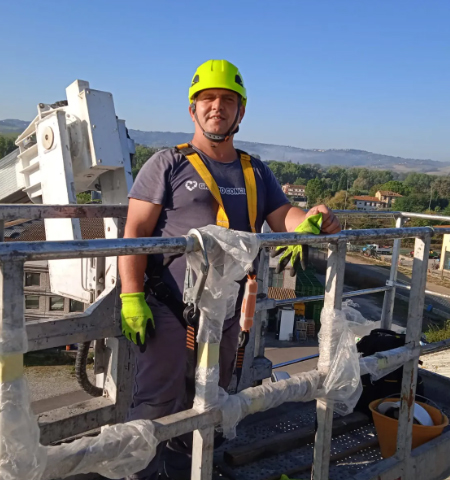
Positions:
{"x": 359, "y": 325}
{"x": 299, "y": 388}
{"x": 206, "y": 388}
{"x": 118, "y": 451}
{"x": 384, "y": 363}
{"x": 337, "y": 378}
{"x": 21, "y": 455}
{"x": 230, "y": 255}
{"x": 339, "y": 360}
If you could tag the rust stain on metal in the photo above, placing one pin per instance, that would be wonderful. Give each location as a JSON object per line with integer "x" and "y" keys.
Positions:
{"x": 409, "y": 398}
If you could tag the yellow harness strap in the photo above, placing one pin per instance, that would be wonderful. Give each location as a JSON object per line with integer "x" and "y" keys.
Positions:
{"x": 205, "y": 175}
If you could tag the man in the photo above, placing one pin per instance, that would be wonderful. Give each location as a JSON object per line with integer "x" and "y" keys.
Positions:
{"x": 192, "y": 186}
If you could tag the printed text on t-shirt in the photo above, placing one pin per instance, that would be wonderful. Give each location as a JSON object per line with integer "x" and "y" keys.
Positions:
{"x": 192, "y": 184}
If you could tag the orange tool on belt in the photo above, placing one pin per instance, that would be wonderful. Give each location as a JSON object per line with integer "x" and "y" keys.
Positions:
{"x": 248, "y": 303}
{"x": 246, "y": 322}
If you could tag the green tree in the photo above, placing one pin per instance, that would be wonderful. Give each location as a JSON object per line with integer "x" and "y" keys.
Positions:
{"x": 442, "y": 186}
{"x": 340, "y": 201}
{"x": 419, "y": 182}
{"x": 380, "y": 176}
{"x": 83, "y": 197}
{"x": 288, "y": 172}
{"x": 143, "y": 153}
{"x": 412, "y": 203}
{"x": 343, "y": 182}
{"x": 366, "y": 178}
{"x": 392, "y": 186}
{"x": 7, "y": 144}
{"x": 300, "y": 181}
{"x": 362, "y": 182}
{"x": 315, "y": 190}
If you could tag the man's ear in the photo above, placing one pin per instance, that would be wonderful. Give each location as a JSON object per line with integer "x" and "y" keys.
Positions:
{"x": 192, "y": 111}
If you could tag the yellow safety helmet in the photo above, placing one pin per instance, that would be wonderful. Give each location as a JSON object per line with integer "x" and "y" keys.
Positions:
{"x": 217, "y": 74}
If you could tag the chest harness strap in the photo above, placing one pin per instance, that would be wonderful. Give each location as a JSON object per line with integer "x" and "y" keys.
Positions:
{"x": 205, "y": 175}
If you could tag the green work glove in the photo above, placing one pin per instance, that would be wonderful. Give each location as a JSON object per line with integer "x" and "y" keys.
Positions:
{"x": 135, "y": 319}
{"x": 298, "y": 254}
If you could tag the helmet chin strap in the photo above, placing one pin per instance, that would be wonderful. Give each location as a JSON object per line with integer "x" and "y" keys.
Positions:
{"x": 216, "y": 137}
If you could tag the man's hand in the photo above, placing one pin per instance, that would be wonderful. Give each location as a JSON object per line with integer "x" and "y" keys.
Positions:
{"x": 137, "y": 319}
{"x": 298, "y": 254}
{"x": 330, "y": 223}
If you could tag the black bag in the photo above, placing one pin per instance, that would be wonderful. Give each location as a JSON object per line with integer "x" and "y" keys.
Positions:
{"x": 380, "y": 340}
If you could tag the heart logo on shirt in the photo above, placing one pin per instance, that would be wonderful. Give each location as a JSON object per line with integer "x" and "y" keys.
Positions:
{"x": 190, "y": 185}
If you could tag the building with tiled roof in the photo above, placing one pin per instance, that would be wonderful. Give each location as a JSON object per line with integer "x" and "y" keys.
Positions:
{"x": 387, "y": 196}
{"x": 366, "y": 202}
{"x": 296, "y": 191}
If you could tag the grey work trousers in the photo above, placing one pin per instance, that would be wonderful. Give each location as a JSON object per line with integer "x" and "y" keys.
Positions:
{"x": 160, "y": 380}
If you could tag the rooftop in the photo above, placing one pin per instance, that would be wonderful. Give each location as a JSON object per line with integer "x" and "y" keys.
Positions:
{"x": 388, "y": 193}
{"x": 368, "y": 198}
{"x": 290, "y": 185}
{"x": 34, "y": 230}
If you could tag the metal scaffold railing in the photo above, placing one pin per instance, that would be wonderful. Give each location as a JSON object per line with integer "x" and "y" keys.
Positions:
{"x": 131, "y": 445}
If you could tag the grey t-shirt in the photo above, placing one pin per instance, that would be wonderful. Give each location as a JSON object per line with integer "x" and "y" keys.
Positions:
{"x": 169, "y": 179}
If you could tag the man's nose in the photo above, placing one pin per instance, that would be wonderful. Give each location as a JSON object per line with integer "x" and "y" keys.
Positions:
{"x": 217, "y": 104}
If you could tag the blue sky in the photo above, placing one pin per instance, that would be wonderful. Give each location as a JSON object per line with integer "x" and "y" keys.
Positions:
{"x": 365, "y": 74}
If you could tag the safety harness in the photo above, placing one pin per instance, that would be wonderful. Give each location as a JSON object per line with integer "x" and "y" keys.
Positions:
{"x": 205, "y": 175}
{"x": 163, "y": 293}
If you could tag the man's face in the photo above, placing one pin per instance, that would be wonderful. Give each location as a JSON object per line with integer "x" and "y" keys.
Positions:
{"x": 216, "y": 110}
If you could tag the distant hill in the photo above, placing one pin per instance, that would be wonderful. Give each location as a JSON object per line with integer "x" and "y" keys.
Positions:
{"x": 344, "y": 158}
{"x": 13, "y": 126}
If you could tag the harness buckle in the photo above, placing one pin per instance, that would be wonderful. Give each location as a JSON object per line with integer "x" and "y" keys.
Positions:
{"x": 191, "y": 315}
{"x": 244, "y": 337}
{"x": 193, "y": 290}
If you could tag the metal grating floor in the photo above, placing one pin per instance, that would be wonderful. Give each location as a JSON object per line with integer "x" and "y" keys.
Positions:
{"x": 299, "y": 415}
{"x": 292, "y": 418}
{"x": 353, "y": 464}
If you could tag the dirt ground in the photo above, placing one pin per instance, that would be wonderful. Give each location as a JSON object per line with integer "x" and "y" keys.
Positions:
{"x": 53, "y": 386}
